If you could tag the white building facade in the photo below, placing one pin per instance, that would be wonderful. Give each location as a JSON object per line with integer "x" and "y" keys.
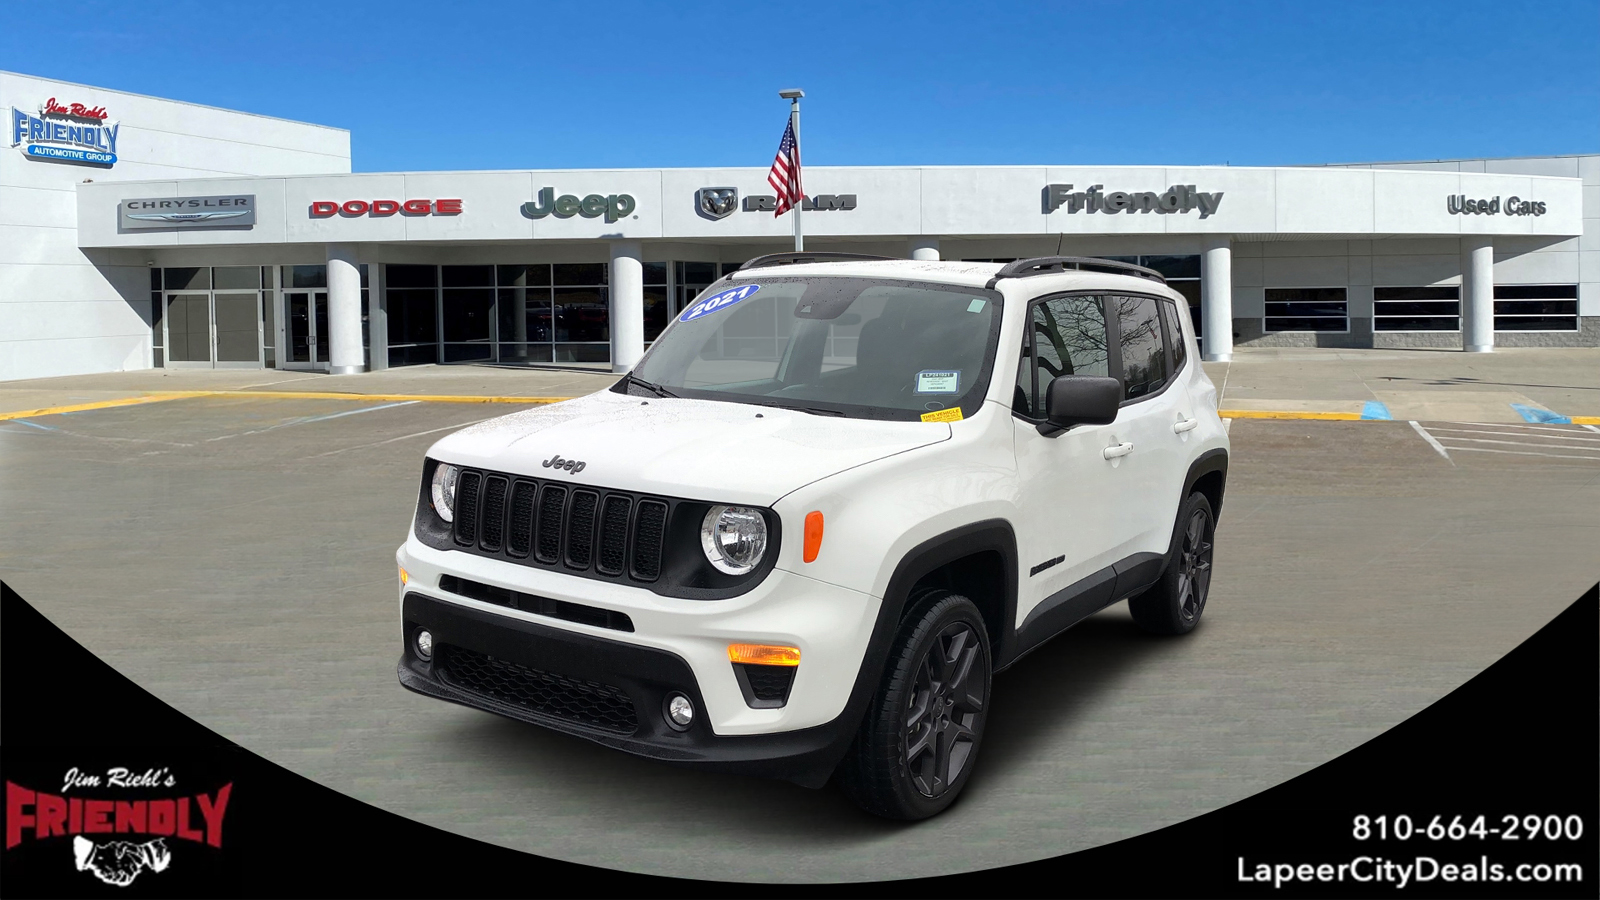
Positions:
{"x": 264, "y": 250}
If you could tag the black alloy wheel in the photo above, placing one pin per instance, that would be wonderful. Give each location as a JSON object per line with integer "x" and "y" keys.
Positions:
{"x": 919, "y": 740}
{"x": 1174, "y": 603}
{"x": 942, "y": 709}
{"x": 1194, "y": 566}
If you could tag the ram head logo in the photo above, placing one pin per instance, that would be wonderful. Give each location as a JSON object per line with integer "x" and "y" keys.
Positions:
{"x": 717, "y": 202}
{"x": 119, "y": 862}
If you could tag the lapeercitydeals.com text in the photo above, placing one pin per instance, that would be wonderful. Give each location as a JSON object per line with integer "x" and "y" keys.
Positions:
{"x": 1418, "y": 870}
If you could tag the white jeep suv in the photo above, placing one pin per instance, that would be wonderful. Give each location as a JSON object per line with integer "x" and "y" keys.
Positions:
{"x": 834, "y": 498}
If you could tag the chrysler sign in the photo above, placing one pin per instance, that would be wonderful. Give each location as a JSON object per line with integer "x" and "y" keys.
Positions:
{"x": 230, "y": 211}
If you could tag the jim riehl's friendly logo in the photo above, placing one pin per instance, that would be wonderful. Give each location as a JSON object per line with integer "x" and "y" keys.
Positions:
{"x": 97, "y": 825}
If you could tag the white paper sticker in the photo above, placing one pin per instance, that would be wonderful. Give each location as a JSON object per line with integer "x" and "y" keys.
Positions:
{"x": 939, "y": 382}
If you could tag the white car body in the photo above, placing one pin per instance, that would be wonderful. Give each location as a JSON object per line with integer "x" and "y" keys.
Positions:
{"x": 884, "y": 489}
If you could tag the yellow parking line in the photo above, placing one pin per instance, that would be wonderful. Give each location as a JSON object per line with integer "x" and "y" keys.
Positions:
{"x": 1585, "y": 420}
{"x": 1275, "y": 414}
{"x": 80, "y": 407}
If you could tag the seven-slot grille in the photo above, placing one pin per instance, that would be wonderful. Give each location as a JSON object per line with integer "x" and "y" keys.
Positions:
{"x": 612, "y": 533}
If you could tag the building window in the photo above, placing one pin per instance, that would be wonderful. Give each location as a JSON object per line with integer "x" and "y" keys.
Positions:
{"x": 413, "y": 302}
{"x": 1535, "y": 307}
{"x": 1306, "y": 309}
{"x": 467, "y": 313}
{"x": 656, "y": 311}
{"x": 1416, "y": 308}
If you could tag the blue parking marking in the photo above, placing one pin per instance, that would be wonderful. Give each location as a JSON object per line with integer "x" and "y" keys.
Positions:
{"x": 1374, "y": 409}
{"x": 34, "y": 425}
{"x": 1539, "y": 416}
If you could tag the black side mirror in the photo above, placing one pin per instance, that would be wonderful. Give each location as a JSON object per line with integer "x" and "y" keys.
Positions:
{"x": 1080, "y": 400}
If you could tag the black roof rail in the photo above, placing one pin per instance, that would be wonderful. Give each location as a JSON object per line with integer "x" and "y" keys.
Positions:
{"x": 1047, "y": 265}
{"x": 789, "y": 259}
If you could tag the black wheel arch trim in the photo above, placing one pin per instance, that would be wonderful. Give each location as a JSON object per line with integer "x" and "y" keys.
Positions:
{"x": 1213, "y": 460}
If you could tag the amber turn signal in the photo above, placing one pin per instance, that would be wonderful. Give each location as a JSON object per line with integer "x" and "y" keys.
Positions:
{"x": 764, "y": 655}
{"x": 405, "y": 577}
{"x": 813, "y": 543}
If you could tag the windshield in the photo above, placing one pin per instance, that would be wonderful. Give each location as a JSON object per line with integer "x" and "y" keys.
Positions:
{"x": 870, "y": 348}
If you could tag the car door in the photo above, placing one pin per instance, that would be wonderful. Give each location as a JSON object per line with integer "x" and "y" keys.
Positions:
{"x": 1155, "y": 419}
{"x": 1071, "y": 530}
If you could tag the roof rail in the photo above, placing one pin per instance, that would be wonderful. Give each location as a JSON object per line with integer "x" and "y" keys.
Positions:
{"x": 789, "y": 259}
{"x": 1047, "y": 265}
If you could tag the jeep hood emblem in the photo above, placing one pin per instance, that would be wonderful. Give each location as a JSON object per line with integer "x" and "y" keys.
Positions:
{"x": 571, "y": 465}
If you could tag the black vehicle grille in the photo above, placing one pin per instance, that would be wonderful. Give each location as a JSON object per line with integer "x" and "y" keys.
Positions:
{"x": 590, "y": 703}
{"x": 768, "y": 684}
{"x": 612, "y": 534}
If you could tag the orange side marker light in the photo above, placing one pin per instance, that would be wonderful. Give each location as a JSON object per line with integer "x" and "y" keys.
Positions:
{"x": 813, "y": 543}
{"x": 764, "y": 655}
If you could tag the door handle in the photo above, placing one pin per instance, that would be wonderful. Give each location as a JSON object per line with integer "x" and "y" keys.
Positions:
{"x": 1185, "y": 425}
{"x": 1117, "y": 450}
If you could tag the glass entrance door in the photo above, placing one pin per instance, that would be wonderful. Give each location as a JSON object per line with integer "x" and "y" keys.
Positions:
{"x": 306, "y": 315}
{"x": 213, "y": 330}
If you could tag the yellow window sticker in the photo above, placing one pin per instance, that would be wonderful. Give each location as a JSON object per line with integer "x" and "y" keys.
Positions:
{"x": 953, "y": 414}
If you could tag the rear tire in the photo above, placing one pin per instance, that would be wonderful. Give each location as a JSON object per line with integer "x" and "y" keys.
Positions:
{"x": 919, "y": 740}
{"x": 1174, "y": 603}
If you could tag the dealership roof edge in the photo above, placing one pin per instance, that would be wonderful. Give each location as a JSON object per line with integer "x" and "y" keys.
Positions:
{"x": 237, "y": 112}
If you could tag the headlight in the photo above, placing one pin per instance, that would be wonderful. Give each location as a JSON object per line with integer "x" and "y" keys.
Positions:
{"x": 444, "y": 490}
{"x": 734, "y": 538}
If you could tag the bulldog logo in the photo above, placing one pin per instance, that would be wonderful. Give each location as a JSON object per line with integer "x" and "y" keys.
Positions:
{"x": 717, "y": 202}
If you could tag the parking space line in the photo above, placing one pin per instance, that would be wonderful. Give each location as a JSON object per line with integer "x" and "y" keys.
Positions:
{"x": 1525, "y": 453}
{"x": 402, "y": 437}
{"x": 1517, "y": 444}
{"x": 1541, "y": 435}
{"x": 1432, "y": 442}
{"x": 1281, "y": 414}
{"x": 336, "y": 395}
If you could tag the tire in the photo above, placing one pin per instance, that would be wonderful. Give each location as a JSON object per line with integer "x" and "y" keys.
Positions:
{"x": 919, "y": 739}
{"x": 1174, "y": 603}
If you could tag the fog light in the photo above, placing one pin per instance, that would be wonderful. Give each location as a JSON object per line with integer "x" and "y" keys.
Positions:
{"x": 425, "y": 644}
{"x": 680, "y": 712}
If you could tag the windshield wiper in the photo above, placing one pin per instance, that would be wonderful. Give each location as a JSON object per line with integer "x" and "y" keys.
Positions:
{"x": 656, "y": 389}
{"x": 814, "y": 410}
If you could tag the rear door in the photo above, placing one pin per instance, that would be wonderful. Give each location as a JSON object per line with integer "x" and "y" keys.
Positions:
{"x": 1156, "y": 418}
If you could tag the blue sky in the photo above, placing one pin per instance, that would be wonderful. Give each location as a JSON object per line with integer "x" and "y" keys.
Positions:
{"x": 502, "y": 85}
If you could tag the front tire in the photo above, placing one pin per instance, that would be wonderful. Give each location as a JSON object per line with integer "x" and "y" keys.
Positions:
{"x": 1174, "y": 603}
{"x": 919, "y": 740}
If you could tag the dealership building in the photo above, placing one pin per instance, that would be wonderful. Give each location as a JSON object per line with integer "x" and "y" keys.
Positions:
{"x": 137, "y": 232}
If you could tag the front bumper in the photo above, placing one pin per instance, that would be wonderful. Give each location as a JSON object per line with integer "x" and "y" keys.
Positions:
{"x": 595, "y": 688}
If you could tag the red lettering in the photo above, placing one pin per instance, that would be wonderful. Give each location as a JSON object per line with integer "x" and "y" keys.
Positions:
{"x": 52, "y": 817}
{"x": 17, "y": 797}
{"x": 184, "y": 831}
{"x": 130, "y": 816}
{"x": 385, "y": 207}
{"x": 447, "y": 207}
{"x": 74, "y": 816}
{"x": 418, "y": 207}
{"x": 354, "y": 207}
{"x": 212, "y": 810}
{"x": 52, "y": 108}
{"x": 324, "y": 208}
{"x": 163, "y": 816}
{"x": 97, "y": 818}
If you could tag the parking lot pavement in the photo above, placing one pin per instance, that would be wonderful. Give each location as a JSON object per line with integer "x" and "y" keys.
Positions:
{"x": 235, "y": 556}
{"x": 1438, "y": 385}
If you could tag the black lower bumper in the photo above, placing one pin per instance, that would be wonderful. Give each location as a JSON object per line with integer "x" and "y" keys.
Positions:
{"x": 609, "y": 692}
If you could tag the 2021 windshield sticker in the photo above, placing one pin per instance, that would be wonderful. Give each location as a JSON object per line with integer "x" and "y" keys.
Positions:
{"x": 717, "y": 302}
{"x": 932, "y": 381}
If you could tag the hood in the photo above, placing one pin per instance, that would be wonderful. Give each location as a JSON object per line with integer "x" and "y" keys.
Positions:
{"x": 696, "y": 449}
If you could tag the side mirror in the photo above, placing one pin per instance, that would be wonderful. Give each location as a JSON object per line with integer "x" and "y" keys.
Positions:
{"x": 1080, "y": 400}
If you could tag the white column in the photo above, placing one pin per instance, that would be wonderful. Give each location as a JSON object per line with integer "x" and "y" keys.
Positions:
{"x": 925, "y": 248}
{"x": 1477, "y": 294}
{"x": 1216, "y": 296}
{"x": 344, "y": 310}
{"x": 627, "y": 305}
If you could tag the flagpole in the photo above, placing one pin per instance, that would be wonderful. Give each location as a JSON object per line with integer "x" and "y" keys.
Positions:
{"x": 793, "y": 95}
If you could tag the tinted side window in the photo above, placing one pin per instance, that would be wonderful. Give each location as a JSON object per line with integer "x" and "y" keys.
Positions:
{"x": 1180, "y": 351}
{"x": 1069, "y": 338}
{"x": 1144, "y": 357}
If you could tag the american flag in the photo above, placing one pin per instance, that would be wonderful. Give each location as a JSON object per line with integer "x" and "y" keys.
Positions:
{"x": 785, "y": 174}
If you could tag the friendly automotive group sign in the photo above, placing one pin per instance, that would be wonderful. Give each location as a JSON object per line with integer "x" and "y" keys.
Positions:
{"x": 66, "y": 132}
